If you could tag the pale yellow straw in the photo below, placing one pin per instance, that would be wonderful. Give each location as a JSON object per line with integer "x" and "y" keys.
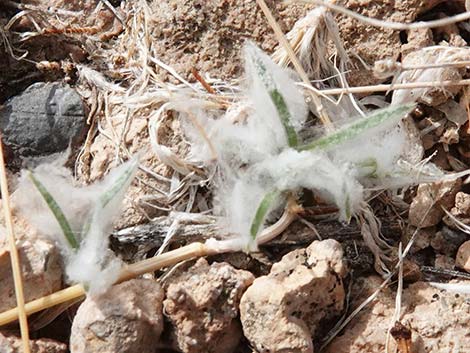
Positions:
{"x": 15, "y": 261}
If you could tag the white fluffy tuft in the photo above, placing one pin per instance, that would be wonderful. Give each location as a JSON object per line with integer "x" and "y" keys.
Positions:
{"x": 89, "y": 210}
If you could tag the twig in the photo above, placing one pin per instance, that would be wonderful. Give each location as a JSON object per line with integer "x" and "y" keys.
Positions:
{"x": 398, "y": 299}
{"x": 389, "y": 24}
{"x": 203, "y": 82}
{"x": 389, "y": 87}
{"x": 14, "y": 257}
{"x": 445, "y": 272}
{"x": 297, "y": 65}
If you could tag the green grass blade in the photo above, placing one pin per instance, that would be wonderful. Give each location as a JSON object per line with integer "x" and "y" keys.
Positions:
{"x": 111, "y": 192}
{"x": 358, "y": 127}
{"x": 56, "y": 211}
{"x": 262, "y": 212}
{"x": 284, "y": 115}
{"x": 119, "y": 184}
{"x": 276, "y": 97}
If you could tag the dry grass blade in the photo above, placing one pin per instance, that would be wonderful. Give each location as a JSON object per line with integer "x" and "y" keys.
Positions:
{"x": 14, "y": 257}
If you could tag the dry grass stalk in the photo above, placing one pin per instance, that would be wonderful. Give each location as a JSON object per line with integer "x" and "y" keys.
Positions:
{"x": 389, "y": 87}
{"x": 323, "y": 115}
{"x": 389, "y": 24}
{"x": 14, "y": 257}
{"x": 77, "y": 291}
{"x": 398, "y": 299}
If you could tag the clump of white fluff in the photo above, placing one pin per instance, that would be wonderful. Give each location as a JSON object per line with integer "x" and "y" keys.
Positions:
{"x": 90, "y": 211}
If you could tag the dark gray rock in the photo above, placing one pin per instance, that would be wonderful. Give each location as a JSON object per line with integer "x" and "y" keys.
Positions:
{"x": 447, "y": 241}
{"x": 46, "y": 118}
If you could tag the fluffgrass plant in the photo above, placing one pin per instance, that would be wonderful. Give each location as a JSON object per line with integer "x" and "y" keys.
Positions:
{"x": 264, "y": 157}
{"x": 82, "y": 219}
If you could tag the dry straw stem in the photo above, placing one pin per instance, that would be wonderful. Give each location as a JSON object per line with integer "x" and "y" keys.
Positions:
{"x": 389, "y": 24}
{"x": 15, "y": 261}
{"x": 77, "y": 291}
{"x": 389, "y": 87}
{"x": 297, "y": 65}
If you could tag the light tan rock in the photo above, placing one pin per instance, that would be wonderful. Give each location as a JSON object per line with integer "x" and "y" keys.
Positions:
{"x": 438, "y": 320}
{"x": 426, "y": 208}
{"x": 202, "y": 306}
{"x": 462, "y": 204}
{"x": 462, "y": 259}
{"x": 280, "y": 312}
{"x": 417, "y": 39}
{"x": 40, "y": 265}
{"x": 13, "y": 344}
{"x": 126, "y": 319}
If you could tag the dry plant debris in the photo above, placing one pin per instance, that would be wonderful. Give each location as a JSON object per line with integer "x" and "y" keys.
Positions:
{"x": 204, "y": 151}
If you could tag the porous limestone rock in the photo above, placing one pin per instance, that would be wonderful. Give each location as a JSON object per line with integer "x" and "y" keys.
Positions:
{"x": 125, "y": 319}
{"x": 13, "y": 344}
{"x": 281, "y": 312}
{"x": 40, "y": 265}
{"x": 438, "y": 320}
{"x": 202, "y": 306}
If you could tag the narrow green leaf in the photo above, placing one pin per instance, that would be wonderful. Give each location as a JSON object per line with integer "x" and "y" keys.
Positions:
{"x": 262, "y": 212}
{"x": 358, "y": 127}
{"x": 56, "y": 211}
{"x": 278, "y": 100}
{"x": 119, "y": 184}
{"x": 110, "y": 193}
{"x": 284, "y": 115}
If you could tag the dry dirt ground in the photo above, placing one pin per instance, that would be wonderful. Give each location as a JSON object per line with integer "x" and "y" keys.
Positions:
{"x": 127, "y": 60}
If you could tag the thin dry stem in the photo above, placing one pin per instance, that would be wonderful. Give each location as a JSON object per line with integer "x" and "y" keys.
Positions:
{"x": 389, "y": 24}
{"x": 389, "y": 87}
{"x": 398, "y": 299}
{"x": 14, "y": 257}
